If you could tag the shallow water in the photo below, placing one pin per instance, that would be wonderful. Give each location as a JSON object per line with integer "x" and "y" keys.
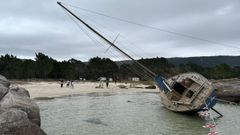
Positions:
{"x": 127, "y": 114}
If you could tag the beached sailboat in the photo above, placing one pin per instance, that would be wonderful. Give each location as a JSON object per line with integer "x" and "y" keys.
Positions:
{"x": 185, "y": 93}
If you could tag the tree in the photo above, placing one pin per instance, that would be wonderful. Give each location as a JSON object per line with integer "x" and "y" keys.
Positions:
{"x": 10, "y": 66}
{"x": 44, "y": 65}
{"x": 28, "y": 69}
{"x": 126, "y": 71}
{"x": 79, "y": 68}
{"x": 67, "y": 70}
{"x": 221, "y": 71}
{"x": 99, "y": 67}
{"x": 158, "y": 65}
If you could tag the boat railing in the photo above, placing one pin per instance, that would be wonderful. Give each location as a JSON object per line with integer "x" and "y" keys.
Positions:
{"x": 197, "y": 92}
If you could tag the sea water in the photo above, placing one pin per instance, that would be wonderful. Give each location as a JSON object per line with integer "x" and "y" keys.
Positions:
{"x": 127, "y": 114}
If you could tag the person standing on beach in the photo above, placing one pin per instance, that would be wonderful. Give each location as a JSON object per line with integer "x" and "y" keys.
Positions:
{"x": 61, "y": 83}
{"x": 72, "y": 84}
{"x": 107, "y": 82}
{"x": 68, "y": 82}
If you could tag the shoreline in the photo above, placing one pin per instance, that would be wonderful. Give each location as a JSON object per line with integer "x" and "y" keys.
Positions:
{"x": 45, "y": 90}
{"x": 227, "y": 89}
{"x": 90, "y": 94}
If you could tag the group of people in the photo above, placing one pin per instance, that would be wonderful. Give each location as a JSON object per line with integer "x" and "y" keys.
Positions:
{"x": 102, "y": 80}
{"x": 105, "y": 80}
{"x": 68, "y": 83}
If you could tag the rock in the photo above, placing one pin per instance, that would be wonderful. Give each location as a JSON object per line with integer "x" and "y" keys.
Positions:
{"x": 20, "y": 91}
{"x": 229, "y": 95}
{"x": 3, "y": 91}
{"x": 4, "y": 81}
{"x": 151, "y": 87}
{"x": 12, "y": 100}
{"x": 16, "y": 122}
{"x": 44, "y": 98}
{"x": 19, "y": 115}
{"x": 95, "y": 121}
{"x": 122, "y": 86}
{"x": 228, "y": 89}
{"x": 129, "y": 101}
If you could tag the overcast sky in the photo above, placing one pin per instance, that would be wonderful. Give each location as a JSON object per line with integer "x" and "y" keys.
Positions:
{"x": 29, "y": 26}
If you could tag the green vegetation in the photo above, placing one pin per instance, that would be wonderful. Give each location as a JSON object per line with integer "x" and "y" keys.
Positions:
{"x": 101, "y": 67}
{"x": 45, "y": 67}
{"x": 221, "y": 71}
{"x": 207, "y": 61}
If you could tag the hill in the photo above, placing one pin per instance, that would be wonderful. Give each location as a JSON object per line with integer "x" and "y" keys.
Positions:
{"x": 207, "y": 61}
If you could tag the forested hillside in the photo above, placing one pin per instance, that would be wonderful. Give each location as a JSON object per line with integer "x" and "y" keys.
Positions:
{"x": 209, "y": 61}
{"x": 45, "y": 67}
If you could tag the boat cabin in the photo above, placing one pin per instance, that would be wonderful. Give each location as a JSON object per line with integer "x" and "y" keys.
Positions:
{"x": 183, "y": 89}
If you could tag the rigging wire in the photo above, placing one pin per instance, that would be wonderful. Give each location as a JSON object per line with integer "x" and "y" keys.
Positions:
{"x": 128, "y": 42}
{"x": 146, "y": 75}
{"x": 106, "y": 16}
{"x": 156, "y": 28}
{"x": 105, "y": 34}
{"x": 135, "y": 69}
{"x": 123, "y": 47}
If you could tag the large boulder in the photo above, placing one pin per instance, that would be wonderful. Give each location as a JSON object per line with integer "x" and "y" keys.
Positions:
{"x": 228, "y": 89}
{"x": 16, "y": 122}
{"x": 20, "y": 91}
{"x": 19, "y": 115}
{"x": 19, "y": 102}
{"x": 3, "y": 91}
{"x": 4, "y": 81}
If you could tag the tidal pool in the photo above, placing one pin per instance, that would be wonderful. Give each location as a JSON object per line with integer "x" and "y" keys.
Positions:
{"x": 127, "y": 114}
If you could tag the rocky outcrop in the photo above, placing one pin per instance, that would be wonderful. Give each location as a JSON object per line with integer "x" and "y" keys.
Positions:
{"x": 228, "y": 89}
{"x": 4, "y": 81}
{"x": 19, "y": 115}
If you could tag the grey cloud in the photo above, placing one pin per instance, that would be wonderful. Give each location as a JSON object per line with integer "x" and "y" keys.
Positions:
{"x": 28, "y": 26}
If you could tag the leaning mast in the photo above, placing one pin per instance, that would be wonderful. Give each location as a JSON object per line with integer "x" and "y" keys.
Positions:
{"x": 106, "y": 40}
{"x": 197, "y": 97}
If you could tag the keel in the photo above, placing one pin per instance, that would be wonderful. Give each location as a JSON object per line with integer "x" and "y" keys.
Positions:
{"x": 220, "y": 115}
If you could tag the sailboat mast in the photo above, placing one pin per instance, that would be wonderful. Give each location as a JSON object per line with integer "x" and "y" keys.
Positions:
{"x": 106, "y": 40}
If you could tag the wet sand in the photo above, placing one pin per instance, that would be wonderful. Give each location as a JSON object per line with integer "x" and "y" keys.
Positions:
{"x": 227, "y": 89}
{"x": 49, "y": 90}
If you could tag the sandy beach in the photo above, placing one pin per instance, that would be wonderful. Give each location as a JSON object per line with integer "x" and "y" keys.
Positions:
{"x": 52, "y": 89}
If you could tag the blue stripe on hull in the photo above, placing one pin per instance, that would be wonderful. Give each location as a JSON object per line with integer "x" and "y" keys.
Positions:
{"x": 159, "y": 82}
{"x": 211, "y": 101}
